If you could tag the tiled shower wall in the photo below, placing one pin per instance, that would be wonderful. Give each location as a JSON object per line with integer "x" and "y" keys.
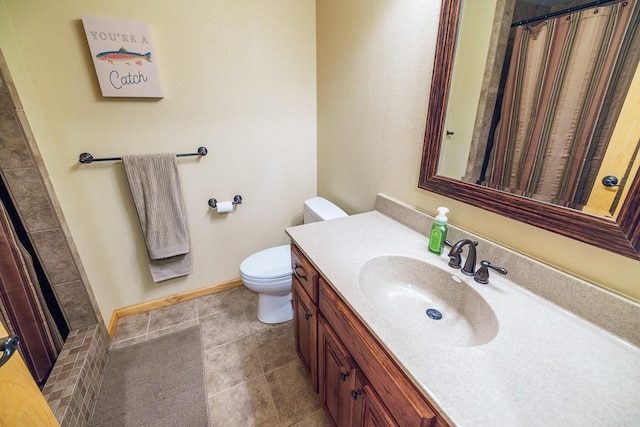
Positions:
{"x": 25, "y": 175}
{"x": 24, "y": 172}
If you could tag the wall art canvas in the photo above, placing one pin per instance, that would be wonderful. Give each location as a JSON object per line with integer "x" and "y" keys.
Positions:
{"x": 123, "y": 56}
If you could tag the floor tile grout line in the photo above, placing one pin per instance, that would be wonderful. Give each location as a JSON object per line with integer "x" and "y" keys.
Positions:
{"x": 142, "y": 335}
{"x": 245, "y": 380}
{"x": 237, "y": 385}
{"x": 173, "y": 326}
{"x": 273, "y": 401}
{"x": 224, "y": 343}
{"x": 148, "y": 325}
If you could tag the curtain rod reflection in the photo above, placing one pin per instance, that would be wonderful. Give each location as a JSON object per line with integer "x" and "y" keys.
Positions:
{"x": 563, "y": 12}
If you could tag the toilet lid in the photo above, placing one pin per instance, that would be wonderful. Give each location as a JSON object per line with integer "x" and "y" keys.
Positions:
{"x": 268, "y": 264}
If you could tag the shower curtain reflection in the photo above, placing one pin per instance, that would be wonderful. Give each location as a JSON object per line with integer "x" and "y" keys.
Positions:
{"x": 554, "y": 122}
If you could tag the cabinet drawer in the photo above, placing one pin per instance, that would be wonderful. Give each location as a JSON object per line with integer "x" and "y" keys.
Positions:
{"x": 305, "y": 273}
{"x": 404, "y": 401}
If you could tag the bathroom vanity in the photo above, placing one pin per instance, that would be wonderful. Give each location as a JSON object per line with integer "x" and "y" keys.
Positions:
{"x": 348, "y": 367}
{"x": 500, "y": 355}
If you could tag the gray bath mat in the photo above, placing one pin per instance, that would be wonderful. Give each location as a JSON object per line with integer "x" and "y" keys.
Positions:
{"x": 155, "y": 383}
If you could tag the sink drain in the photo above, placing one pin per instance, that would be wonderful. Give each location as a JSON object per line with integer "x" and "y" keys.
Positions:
{"x": 434, "y": 314}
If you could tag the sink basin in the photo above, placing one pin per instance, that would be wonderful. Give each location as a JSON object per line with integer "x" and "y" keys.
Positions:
{"x": 402, "y": 290}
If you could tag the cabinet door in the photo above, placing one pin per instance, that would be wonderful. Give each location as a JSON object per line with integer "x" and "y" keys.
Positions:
{"x": 306, "y": 330}
{"x": 368, "y": 409}
{"x": 336, "y": 376}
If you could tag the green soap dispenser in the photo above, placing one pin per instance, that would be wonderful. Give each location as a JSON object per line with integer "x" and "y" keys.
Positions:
{"x": 438, "y": 232}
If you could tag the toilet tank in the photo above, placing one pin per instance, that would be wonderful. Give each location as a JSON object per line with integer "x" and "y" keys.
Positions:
{"x": 319, "y": 209}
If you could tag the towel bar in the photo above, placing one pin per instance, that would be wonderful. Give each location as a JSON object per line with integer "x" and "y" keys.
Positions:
{"x": 86, "y": 158}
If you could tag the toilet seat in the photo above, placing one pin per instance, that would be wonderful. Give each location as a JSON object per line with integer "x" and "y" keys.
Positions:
{"x": 267, "y": 266}
{"x": 259, "y": 281}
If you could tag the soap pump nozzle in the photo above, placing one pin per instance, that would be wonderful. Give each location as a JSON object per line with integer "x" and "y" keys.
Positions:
{"x": 441, "y": 218}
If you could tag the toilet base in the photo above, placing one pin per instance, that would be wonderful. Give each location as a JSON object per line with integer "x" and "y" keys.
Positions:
{"x": 275, "y": 309}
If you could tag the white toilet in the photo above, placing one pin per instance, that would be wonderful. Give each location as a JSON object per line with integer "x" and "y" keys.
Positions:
{"x": 268, "y": 272}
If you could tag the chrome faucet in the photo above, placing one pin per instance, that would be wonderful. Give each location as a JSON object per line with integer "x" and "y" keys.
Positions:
{"x": 455, "y": 260}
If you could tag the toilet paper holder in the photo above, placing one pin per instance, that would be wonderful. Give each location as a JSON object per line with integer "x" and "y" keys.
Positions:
{"x": 237, "y": 200}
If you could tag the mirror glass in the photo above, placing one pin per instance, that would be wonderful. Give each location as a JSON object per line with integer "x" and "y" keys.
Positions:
{"x": 544, "y": 102}
{"x": 617, "y": 232}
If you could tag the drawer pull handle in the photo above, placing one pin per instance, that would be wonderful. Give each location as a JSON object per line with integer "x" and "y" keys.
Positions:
{"x": 308, "y": 316}
{"x": 297, "y": 268}
{"x": 355, "y": 394}
{"x": 344, "y": 376}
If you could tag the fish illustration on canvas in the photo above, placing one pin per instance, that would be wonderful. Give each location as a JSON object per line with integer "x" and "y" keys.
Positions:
{"x": 123, "y": 55}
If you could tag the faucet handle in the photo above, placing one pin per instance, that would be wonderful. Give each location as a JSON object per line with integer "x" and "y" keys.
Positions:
{"x": 455, "y": 259}
{"x": 482, "y": 275}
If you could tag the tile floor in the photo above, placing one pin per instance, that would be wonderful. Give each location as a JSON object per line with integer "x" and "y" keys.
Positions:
{"x": 253, "y": 374}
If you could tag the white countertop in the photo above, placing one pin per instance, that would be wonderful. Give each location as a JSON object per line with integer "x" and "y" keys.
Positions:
{"x": 545, "y": 366}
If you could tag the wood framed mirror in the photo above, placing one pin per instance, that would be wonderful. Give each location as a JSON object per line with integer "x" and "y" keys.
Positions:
{"x": 620, "y": 235}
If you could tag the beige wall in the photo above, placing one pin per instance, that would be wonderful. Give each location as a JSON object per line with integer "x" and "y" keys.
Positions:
{"x": 239, "y": 77}
{"x": 374, "y": 68}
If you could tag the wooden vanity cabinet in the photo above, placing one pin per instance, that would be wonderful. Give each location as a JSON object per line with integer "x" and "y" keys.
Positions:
{"x": 359, "y": 382}
{"x": 347, "y": 397}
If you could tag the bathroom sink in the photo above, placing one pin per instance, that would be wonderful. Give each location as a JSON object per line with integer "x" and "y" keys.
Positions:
{"x": 427, "y": 302}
